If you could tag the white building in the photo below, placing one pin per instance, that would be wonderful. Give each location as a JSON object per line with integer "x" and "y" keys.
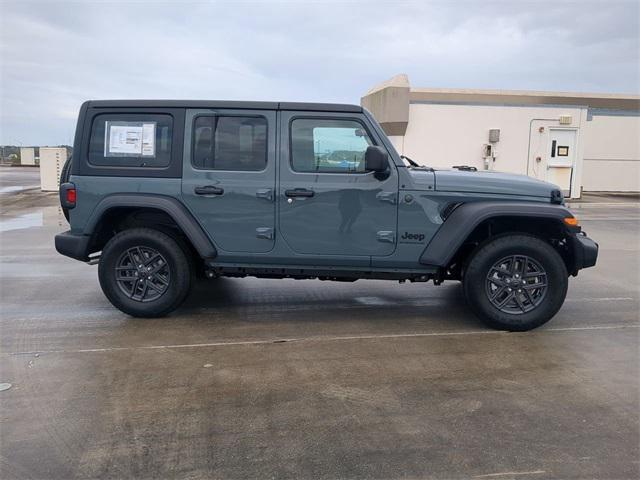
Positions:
{"x": 27, "y": 156}
{"x": 52, "y": 159}
{"x": 581, "y": 142}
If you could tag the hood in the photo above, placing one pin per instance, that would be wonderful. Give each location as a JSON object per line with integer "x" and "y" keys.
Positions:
{"x": 492, "y": 182}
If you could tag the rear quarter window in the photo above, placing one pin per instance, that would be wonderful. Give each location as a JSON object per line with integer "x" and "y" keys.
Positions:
{"x": 131, "y": 140}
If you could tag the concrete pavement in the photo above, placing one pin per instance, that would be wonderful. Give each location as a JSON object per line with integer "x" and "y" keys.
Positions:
{"x": 308, "y": 379}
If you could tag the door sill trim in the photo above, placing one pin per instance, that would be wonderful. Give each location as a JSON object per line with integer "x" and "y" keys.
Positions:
{"x": 318, "y": 271}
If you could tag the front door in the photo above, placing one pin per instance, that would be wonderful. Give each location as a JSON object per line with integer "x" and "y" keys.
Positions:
{"x": 328, "y": 203}
{"x": 228, "y": 178}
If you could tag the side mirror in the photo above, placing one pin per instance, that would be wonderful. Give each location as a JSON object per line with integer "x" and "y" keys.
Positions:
{"x": 376, "y": 159}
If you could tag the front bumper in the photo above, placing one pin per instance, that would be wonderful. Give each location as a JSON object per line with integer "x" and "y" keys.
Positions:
{"x": 73, "y": 246}
{"x": 585, "y": 252}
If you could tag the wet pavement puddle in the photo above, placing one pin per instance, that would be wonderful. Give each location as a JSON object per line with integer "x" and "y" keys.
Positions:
{"x": 20, "y": 222}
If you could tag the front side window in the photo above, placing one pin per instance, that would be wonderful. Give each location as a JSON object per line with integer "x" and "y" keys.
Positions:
{"x": 328, "y": 146}
{"x": 131, "y": 140}
{"x": 230, "y": 143}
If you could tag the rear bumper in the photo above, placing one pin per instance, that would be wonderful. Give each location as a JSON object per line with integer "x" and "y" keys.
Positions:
{"x": 73, "y": 246}
{"x": 585, "y": 252}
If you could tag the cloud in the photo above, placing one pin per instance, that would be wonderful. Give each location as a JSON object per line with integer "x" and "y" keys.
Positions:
{"x": 57, "y": 54}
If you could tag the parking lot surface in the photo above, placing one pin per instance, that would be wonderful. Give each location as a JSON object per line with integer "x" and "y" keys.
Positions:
{"x": 308, "y": 379}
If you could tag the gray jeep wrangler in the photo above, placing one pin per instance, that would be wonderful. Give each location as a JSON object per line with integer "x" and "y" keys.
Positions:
{"x": 159, "y": 192}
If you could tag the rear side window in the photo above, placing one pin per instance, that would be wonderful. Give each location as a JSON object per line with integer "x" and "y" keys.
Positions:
{"x": 131, "y": 140}
{"x": 230, "y": 143}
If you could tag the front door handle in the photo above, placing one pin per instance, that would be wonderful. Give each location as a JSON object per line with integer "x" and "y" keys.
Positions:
{"x": 208, "y": 190}
{"x": 299, "y": 192}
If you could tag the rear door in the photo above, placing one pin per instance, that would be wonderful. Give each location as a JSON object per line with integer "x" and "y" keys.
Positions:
{"x": 328, "y": 203}
{"x": 228, "y": 178}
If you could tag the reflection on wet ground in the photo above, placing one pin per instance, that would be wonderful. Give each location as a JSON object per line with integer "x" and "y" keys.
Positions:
{"x": 17, "y": 188}
{"x": 26, "y": 220}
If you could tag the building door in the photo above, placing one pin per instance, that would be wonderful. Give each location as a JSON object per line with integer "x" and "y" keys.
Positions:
{"x": 561, "y": 157}
{"x": 228, "y": 178}
{"x": 328, "y": 203}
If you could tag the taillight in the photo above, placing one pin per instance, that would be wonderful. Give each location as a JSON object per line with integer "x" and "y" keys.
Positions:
{"x": 68, "y": 195}
{"x": 71, "y": 196}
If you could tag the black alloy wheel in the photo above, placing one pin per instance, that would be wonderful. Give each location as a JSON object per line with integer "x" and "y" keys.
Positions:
{"x": 143, "y": 274}
{"x": 516, "y": 284}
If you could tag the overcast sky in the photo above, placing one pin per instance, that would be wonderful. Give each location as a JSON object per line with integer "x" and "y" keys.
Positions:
{"x": 57, "y": 54}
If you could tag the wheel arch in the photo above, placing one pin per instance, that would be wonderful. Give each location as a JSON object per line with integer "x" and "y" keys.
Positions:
{"x": 471, "y": 224}
{"x": 118, "y": 210}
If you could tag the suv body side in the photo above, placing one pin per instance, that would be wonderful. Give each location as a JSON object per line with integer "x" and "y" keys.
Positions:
{"x": 355, "y": 221}
{"x": 161, "y": 191}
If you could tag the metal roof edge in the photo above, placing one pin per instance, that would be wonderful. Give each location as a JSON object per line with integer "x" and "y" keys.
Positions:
{"x": 235, "y": 104}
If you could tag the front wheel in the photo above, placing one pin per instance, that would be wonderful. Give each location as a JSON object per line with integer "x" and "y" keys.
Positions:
{"x": 515, "y": 282}
{"x": 145, "y": 272}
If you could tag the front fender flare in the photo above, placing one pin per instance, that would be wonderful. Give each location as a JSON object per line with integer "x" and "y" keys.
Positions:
{"x": 465, "y": 218}
{"x": 170, "y": 205}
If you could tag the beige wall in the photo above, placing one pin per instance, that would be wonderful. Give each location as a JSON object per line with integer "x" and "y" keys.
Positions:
{"x": 607, "y": 149}
{"x": 612, "y": 154}
{"x": 449, "y": 127}
{"x": 445, "y": 135}
{"x": 27, "y": 156}
{"x": 52, "y": 159}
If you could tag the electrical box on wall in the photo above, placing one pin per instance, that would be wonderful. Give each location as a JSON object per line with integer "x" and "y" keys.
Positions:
{"x": 489, "y": 155}
{"x": 487, "y": 150}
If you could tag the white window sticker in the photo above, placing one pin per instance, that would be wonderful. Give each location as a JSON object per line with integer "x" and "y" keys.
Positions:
{"x": 131, "y": 139}
{"x": 148, "y": 139}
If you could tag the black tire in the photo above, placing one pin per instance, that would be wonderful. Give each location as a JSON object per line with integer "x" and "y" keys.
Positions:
{"x": 131, "y": 252}
{"x": 65, "y": 173}
{"x": 491, "y": 278}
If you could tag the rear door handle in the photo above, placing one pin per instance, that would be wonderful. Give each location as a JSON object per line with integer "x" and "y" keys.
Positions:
{"x": 208, "y": 190}
{"x": 299, "y": 192}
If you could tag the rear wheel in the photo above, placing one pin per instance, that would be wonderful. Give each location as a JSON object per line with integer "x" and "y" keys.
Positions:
{"x": 515, "y": 282}
{"x": 145, "y": 272}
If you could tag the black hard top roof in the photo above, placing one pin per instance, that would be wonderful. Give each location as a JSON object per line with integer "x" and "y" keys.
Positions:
{"x": 317, "y": 107}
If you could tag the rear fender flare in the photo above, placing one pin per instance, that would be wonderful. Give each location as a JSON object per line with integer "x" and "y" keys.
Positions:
{"x": 171, "y": 206}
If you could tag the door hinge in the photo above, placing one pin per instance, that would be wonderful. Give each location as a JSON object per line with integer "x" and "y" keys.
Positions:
{"x": 266, "y": 193}
{"x": 387, "y": 236}
{"x": 264, "y": 232}
{"x": 387, "y": 197}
